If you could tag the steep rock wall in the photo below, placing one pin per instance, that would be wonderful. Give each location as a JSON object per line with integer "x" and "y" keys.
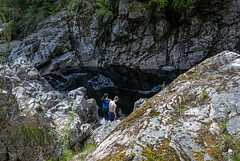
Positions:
{"x": 139, "y": 36}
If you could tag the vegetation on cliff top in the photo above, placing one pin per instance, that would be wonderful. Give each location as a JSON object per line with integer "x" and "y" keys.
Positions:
{"x": 24, "y": 15}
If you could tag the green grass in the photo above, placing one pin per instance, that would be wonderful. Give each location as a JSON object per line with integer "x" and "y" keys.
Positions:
{"x": 69, "y": 154}
{"x": 85, "y": 150}
{"x": 181, "y": 109}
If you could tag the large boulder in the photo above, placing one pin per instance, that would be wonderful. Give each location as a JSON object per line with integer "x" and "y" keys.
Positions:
{"x": 195, "y": 118}
{"x": 140, "y": 35}
{"x": 35, "y": 118}
{"x": 76, "y": 113}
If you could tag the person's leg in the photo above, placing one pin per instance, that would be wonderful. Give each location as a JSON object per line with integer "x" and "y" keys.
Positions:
{"x": 106, "y": 114}
{"x": 110, "y": 116}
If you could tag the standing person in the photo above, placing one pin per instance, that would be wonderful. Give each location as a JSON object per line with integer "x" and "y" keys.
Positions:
{"x": 112, "y": 115}
{"x": 105, "y": 100}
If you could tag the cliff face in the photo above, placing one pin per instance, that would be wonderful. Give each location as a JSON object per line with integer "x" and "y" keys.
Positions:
{"x": 139, "y": 35}
{"x": 195, "y": 118}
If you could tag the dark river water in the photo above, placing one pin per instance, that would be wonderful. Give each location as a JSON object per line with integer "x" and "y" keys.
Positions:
{"x": 129, "y": 84}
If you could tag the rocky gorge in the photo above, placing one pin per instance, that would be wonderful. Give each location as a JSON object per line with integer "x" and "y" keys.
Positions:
{"x": 196, "y": 117}
{"x": 139, "y": 36}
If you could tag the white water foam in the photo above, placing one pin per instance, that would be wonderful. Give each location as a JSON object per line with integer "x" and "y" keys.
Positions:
{"x": 99, "y": 82}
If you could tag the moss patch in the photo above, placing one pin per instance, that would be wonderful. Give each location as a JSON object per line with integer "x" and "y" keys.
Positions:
{"x": 217, "y": 146}
{"x": 154, "y": 113}
{"x": 82, "y": 153}
{"x": 118, "y": 156}
{"x": 135, "y": 115}
{"x": 164, "y": 153}
{"x": 204, "y": 98}
{"x": 198, "y": 155}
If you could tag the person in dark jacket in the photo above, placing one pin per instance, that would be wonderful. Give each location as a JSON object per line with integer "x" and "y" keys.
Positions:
{"x": 105, "y": 104}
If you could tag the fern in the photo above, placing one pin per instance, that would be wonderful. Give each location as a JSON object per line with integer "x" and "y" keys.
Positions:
{"x": 104, "y": 8}
{"x": 177, "y": 4}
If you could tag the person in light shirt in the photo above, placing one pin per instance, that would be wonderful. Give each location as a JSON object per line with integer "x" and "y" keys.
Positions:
{"x": 112, "y": 115}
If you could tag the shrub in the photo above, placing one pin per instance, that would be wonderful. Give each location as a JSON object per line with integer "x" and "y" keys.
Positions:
{"x": 176, "y": 4}
{"x": 25, "y": 15}
{"x": 104, "y": 8}
{"x": 5, "y": 36}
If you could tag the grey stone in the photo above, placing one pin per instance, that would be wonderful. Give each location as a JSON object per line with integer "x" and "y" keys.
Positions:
{"x": 233, "y": 126}
{"x": 215, "y": 129}
{"x": 81, "y": 91}
{"x": 119, "y": 30}
{"x": 100, "y": 133}
{"x": 207, "y": 157}
{"x": 162, "y": 27}
{"x": 13, "y": 44}
{"x": 138, "y": 103}
{"x": 34, "y": 97}
{"x": 138, "y": 11}
{"x": 33, "y": 75}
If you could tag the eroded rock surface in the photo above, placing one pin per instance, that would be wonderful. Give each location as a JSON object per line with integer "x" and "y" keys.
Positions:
{"x": 195, "y": 118}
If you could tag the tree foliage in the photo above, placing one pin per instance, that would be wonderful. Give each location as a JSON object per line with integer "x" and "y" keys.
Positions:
{"x": 26, "y": 14}
{"x": 104, "y": 8}
{"x": 176, "y": 4}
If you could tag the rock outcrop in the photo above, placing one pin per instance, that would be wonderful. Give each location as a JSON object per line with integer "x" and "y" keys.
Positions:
{"x": 195, "y": 118}
{"x": 5, "y": 49}
{"x": 100, "y": 133}
{"x": 34, "y": 116}
{"x": 139, "y": 35}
